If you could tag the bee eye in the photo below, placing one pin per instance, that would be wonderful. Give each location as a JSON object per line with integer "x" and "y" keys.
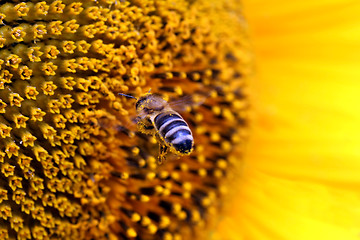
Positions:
{"x": 139, "y": 103}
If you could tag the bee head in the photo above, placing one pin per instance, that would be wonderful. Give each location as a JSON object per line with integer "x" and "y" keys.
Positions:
{"x": 150, "y": 103}
{"x": 140, "y": 103}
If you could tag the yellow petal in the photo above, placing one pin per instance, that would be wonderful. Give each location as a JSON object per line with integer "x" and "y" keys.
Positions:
{"x": 301, "y": 178}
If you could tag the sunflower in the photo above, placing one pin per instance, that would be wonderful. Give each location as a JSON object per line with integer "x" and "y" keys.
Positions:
{"x": 73, "y": 163}
{"x": 300, "y": 177}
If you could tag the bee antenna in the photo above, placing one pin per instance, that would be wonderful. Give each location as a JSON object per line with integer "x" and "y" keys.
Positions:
{"x": 125, "y": 95}
{"x": 149, "y": 90}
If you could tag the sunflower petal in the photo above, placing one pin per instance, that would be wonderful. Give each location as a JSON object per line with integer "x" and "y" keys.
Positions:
{"x": 301, "y": 178}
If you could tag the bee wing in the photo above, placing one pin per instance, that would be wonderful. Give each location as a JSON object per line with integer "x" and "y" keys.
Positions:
{"x": 192, "y": 101}
{"x": 126, "y": 127}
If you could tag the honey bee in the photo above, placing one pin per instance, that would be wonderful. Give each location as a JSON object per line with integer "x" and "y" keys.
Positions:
{"x": 156, "y": 117}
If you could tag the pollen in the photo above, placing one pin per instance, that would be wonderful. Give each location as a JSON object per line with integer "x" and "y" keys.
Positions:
{"x": 73, "y": 163}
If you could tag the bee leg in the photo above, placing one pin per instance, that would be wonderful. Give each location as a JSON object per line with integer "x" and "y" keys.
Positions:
{"x": 145, "y": 126}
{"x": 136, "y": 120}
{"x": 162, "y": 152}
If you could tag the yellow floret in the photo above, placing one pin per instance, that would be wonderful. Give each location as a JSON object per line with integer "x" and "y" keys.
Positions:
{"x": 73, "y": 165}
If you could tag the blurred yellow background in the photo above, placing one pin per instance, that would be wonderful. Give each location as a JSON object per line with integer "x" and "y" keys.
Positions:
{"x": 301, "y": 175}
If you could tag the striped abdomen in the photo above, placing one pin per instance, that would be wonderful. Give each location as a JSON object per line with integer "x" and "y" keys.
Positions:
{"x": 175, "y": 131}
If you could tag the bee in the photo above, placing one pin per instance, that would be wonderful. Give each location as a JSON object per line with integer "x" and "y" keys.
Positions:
{"x": 156, "y": 117}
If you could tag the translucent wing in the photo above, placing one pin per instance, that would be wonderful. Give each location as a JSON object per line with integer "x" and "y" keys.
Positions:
{"x": 188, "y": 101}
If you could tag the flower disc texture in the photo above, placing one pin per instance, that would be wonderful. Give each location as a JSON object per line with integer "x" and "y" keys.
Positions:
{"x": 73, "y": 165}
